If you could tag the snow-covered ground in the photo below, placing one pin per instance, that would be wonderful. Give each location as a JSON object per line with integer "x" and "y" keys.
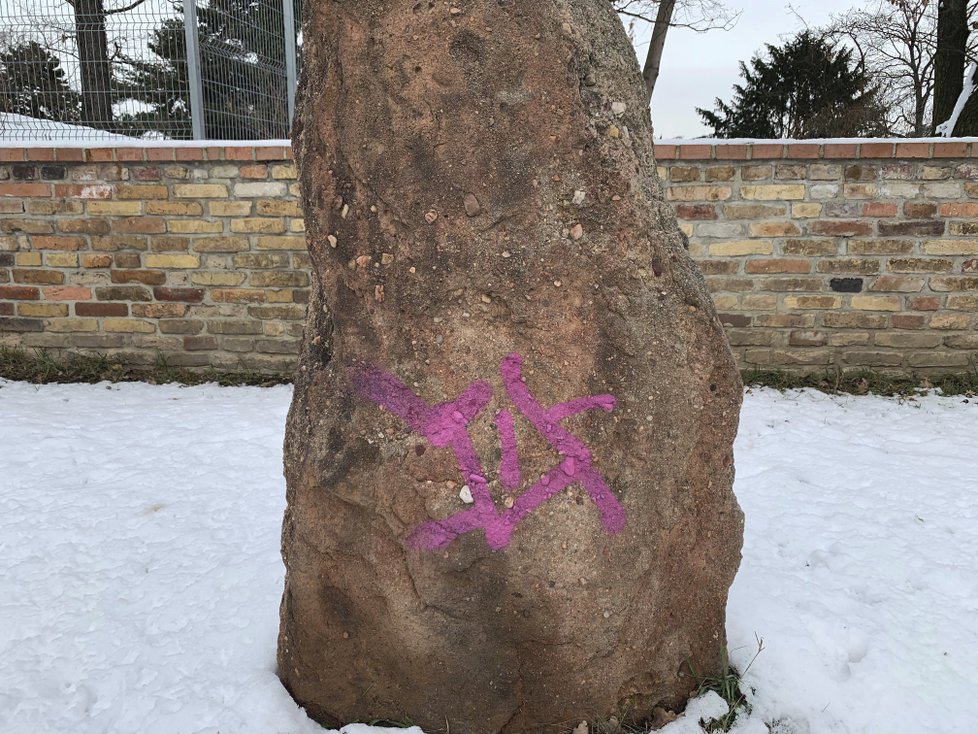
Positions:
{"x": 140, "y": 575}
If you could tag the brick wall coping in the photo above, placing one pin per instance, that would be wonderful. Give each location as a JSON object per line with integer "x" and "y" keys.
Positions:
{"x": 832, "y": 149}
{"x": 141, "y": 151}
{"x": 700, "y": 149}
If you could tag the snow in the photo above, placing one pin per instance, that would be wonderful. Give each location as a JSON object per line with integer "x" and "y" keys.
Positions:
{"x": 804, "y": 141}
{"x": 15, "y": 130}
{"x": 946, "y": 128}
{"x": 140, "y": 571}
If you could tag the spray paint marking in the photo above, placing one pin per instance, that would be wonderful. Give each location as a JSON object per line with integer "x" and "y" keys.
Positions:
{"x": 445, "y": 425}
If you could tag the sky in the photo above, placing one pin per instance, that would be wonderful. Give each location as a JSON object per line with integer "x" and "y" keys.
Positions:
{"x": 698, "y": 67}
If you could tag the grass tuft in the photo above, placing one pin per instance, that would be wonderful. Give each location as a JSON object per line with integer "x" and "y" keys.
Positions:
{"x": 864, "y": 382}
{"x": 729, "y": 686}
{"x": 43, "y": 366}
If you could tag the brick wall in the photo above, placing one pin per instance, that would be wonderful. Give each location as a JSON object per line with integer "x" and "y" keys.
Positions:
{"x": 195, "y": 253}
{"x": 818, "y": 255}
{"x": 836, "y": 254}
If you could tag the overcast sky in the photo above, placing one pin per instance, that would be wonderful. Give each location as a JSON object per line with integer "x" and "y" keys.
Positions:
{"x": 698, "y": 67}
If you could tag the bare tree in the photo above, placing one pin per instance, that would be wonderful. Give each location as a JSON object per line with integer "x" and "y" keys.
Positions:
{"x": 661, "y": 15}
{"x": 896, "y": 41}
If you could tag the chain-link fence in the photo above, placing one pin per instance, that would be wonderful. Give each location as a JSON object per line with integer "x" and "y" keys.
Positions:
{"x": 149, "y": 69}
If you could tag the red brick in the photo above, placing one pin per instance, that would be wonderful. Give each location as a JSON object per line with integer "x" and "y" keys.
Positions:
{"x": 39, "y": 277}
{"x": 19, "y": 293}
{"x": 766, "y": 150}
{"x": 6, "y": 309}
{"x": 272, "y": 153}
{"x": 83, "y": 191}
{"x": 665, "y": 152}
{"x": 925, "y": 303}
{"x": 690, "y": 152}
{"x": 959, "y": 209}
{"x": 239, "y": 153}
{"x": 876, "y": 150}
{"x": 101, "y": 155}
{"x": 907, "y": 321}
{"x": 199, "y": 343}
{"x": 41, "y": 154}
{"x": 696, "y": 212}
{"x": 190, "y": 154}
{"x": 160, "y": 154}
{"x": 67, "y": 293}
{"x": 101, "y": 309}
{"x": 804, "y": 150}
{"x": 950, "y": 150}
{"x": 185, "y": 295}
{"x": 70, "y": 154}
{"x": 732, "y": 153}
{"x": 130, "y": 154}
{"x": 879, "y": 209}
{"x": 846, "y": 151}
{"x": 146, "y": 277}
{"x": 58, "y": 243}
{"x": 12, "y": 154}
{"x": 25, "y": 189}
{"x": 913, "y": 150}
{"x": 841, "y": 228}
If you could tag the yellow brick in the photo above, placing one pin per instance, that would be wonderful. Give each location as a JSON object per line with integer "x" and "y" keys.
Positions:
{"x": 62, "y": 326}
{"x": 297, "y": 225}
{"x": 806, "y": 210}
{"x": 194, "y": 226}
{"x": 286, "y": 170}
{"x": 61, "y": 259}
{"x": 128, "y": 326}
{"x": 115, "y": 208}
{"x": 97, "y": 261}
{"x": 951, "y": 247}
{"x": 279, "y": 296}
{"x": 737, "y": 248}
{"x": 263, "y": 225}
{"x": 687, "y": 228}
{"x": 225, "y": 279}
{"x": 42, "y": 310}
{"x": 229, "y": 208}
{"x": 200, "y": 191}
{"x": 813, "y": 302}
{"x": 773, "y": 192}
{"x": 725, "y": 302}
{"x": 698, "y": 193}
{"x": 295, "y": 189}
{"x": 174, "y": 208}
{"x": 28, "y": 259}
{"x": 176, "y": 262}
{"x": 281, "y": 243}
{"x": 877, "y": 303}
{"x": 774, "y": 229}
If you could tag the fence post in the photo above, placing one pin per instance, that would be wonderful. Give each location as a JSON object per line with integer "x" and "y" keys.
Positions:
{"x": 192, "y": 35}
{"x": 288, "y": 20}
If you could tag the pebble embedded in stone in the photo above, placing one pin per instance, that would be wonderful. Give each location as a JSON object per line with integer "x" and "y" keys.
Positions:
{"x": 618, "y": 108}
{"x": 332, "y": 240}
{"x": 576, "y": 232}
{"x": 466, "y": 495}
{"x": 614, "y": 132}
{"x": 579, "y": 197}
{"x": 472, "y": 206}
{"x": 431, "y": 216}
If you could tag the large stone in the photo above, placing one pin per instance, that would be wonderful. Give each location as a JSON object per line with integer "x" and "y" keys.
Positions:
{"x": 509, "y": 456}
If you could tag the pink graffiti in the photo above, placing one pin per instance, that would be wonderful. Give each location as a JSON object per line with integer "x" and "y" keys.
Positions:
{"x": 446, "y": 425}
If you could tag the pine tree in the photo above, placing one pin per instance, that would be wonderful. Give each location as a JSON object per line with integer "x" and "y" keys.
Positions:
{"x": 242, "y": 54}
{"x": 806, "y": 88}
{"x": 33, "y": 83}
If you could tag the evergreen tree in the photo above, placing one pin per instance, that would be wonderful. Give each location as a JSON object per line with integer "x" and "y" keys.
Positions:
{"x": 805, "y": 89}
{"x": 33, "y": 83}
{"x": 242, "y": 55}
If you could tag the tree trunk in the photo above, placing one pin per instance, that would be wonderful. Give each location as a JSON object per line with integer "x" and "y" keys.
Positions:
{"x": 94, "y": 63}
{"x": 967, "y": 124}
{"x": 509, "y": 455}
{"x": 653, "y": 62}
{"x": 949, "y": 60}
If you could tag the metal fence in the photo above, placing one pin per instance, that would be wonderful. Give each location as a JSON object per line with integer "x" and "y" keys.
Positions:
{"x": 149, "y": 69}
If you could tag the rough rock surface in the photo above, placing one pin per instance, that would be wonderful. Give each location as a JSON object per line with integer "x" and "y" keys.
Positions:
{"x": 509, "y": 456}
